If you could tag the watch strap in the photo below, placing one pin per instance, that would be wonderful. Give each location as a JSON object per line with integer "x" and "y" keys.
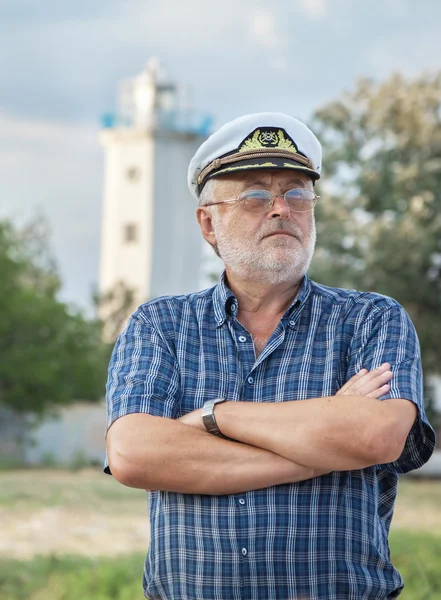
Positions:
{"x": 208, "y": 417}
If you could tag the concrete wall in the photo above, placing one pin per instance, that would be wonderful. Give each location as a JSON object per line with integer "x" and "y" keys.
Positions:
{"x": 77, "y": 435}
{"x": 12, "y": 434}
{"x": 127, "y": 201}
{"x": 178, "y": 242}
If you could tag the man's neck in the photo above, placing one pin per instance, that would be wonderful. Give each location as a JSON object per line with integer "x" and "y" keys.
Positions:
{"x": 260, "y": 298}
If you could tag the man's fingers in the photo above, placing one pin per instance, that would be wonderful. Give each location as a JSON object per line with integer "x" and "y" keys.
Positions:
{"x": 376, "y": 372}
{"x": 379, "y": 392}
{"x": 353, "y": 380}
{"x": 369, "y": 383}
{"x": 359, "y": 375}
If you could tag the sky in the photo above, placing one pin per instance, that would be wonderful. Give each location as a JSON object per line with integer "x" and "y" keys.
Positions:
{"x": 61, "y": 63}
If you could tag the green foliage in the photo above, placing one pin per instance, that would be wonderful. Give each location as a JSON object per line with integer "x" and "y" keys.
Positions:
{"x": 10, "y": 464}
{"x": 79, "y": 461}
{"x": 417, "y": 556}
{"x": 379, "y": 224}
{"x": 48, "y": 460}
{"x": 49, "y": 354}
{"x": 114, "y": 307}
{"x": 71, "y": 578}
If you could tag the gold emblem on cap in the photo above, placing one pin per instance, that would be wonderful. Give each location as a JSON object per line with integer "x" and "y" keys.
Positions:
{"x": 268, "y": 138}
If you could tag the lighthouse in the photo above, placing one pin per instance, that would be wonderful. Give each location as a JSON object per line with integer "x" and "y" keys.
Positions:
{"x": 150, "y": 240}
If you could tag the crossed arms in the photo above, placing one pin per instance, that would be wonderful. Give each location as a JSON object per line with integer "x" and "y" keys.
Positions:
{"x": 282, "y": 442}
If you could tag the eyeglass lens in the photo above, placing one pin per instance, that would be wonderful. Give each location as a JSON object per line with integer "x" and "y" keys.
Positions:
{"x": 259, "y": 201}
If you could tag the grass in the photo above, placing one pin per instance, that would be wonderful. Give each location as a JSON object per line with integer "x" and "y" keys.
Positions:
{"x": 418, "y": 558}
{"x": 90, "y": 498}
{"x": 416, "y": 555}
{"x": 418, "y": 504}
{"x": 42, "y": 488}
{"x": 71, "y": 578}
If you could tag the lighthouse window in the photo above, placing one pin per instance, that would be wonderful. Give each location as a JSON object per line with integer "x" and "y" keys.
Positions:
{"x": 130, "y": 233}
{"x": 133, "y": 174}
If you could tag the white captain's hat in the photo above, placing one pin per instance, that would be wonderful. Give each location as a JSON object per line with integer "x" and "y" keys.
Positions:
{"x": 256, "y": 141}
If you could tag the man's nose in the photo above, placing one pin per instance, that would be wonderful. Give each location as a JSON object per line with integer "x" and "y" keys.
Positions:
{"x": 280, "y": 208}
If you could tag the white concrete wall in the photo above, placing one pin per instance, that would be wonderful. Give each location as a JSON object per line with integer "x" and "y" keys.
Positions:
{"x": 77, "y": 434}
{"x": 437, "y": 385}
{"x": 167, "y": 256}
{"x": 125, "y": 202}
{"x": 178, "y": 243}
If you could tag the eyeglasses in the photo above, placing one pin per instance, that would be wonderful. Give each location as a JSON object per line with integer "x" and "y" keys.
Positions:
{"x": 262, "y": 201}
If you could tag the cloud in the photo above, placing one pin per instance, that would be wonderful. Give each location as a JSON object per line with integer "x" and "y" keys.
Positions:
{"x": 69, "y": 67}
{"x": 279, "y": 63}
{"x": 394, "y": 53}
{"x": 266, "y": 40}
{"x": 263, "y": 29}
{"x": 55, "y": 168}
{"x": 44, "y": 133}
{"x": 314, "y": 10}
{"x": 186, "y": 25}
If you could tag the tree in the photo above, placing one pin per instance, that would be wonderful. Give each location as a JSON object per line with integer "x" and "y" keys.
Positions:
{"x": 379, "y": 224}
{"x": 114, "y": 308}
{"x": 49, "y": 354}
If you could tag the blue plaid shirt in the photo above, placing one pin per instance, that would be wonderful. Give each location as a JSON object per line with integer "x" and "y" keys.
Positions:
{"x": 321, "y": 539}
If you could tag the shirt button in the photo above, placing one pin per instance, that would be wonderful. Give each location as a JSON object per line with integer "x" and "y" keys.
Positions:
{"x": 241, "y": 500}
{"x": 233, "y": 307}
{"x": 250, "y": 380}
{"x": 242, "y": 338}
{"x": 244, "y": 551}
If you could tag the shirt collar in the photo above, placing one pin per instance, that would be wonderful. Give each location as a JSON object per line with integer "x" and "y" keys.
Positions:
{"x": 299, "y": 300}
{"x": 225, "y": 303}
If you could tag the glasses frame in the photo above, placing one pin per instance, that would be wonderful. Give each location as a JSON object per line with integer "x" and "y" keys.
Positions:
{"x": 270, "y": 202}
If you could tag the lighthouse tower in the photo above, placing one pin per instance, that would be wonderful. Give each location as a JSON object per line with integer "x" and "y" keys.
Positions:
{"x": 150, "y": 241}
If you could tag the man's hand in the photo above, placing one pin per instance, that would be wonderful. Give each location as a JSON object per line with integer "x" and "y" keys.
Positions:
{"x": 372, "y": 384}
{"x": 194, "y": 419}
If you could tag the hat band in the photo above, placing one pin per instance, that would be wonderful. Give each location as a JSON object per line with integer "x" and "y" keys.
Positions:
{"x": 249, "y": 154}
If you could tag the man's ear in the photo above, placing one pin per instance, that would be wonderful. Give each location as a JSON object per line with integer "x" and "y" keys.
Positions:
{"x": 203, "y": 216}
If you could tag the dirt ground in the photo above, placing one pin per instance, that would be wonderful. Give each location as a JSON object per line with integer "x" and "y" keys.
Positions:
{"x": 61, "y": 512}
{"x": 53, "y": 512}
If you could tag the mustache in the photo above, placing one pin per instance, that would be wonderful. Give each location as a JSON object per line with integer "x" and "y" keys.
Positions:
{"x": 281, "y": 225}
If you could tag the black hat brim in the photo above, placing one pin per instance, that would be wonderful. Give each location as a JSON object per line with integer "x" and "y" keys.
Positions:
{"x": 263, "y": 163}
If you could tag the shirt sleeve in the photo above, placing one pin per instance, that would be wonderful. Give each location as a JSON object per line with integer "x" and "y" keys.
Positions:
{"x": 388, "y": 335}
{"x": 143, "y": 374}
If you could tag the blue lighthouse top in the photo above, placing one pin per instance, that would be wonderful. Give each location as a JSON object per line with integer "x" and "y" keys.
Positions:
{"x": 147, "y": 102}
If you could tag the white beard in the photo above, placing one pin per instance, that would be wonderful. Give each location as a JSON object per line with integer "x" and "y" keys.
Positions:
{"x": 275, "y": 261}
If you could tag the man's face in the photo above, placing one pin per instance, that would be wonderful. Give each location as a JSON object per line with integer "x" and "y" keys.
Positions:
{"x": 273, "y": 247}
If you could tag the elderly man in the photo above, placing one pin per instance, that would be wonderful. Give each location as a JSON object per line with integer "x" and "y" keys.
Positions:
{"x": 270, "y": 414}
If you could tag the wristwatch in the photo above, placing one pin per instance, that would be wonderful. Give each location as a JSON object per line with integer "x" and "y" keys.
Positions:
{"x": 209, "y": 419}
